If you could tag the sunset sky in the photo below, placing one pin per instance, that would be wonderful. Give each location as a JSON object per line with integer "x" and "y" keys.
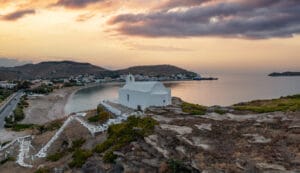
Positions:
{"x": 202, "y": 35}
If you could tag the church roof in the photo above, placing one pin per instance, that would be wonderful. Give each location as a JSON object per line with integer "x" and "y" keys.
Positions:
{"x": 141, "y": 86}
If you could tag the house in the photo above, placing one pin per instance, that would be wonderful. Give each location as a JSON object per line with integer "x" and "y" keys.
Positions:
{"x": 140, "y": 95}
{"x": 7, "y": 85}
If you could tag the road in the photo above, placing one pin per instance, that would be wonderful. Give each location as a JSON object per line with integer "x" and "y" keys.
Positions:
{"x": 8, "y": 108}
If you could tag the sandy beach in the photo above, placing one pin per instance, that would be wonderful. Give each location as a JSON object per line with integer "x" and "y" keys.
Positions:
{"x": 46, "y": 108}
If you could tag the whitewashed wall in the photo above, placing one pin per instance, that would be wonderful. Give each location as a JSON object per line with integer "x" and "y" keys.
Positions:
{"x": 145, "y": 99}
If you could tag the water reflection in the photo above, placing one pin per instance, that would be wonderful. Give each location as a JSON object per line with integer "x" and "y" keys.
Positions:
{"x": 225, "y": 91}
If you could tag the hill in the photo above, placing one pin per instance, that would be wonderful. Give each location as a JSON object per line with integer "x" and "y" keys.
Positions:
{"x": 182, "y": 137}
{"x": 65, "y": 69}
{"x": 53, "y": 69}
{"x": 156, "y": 70}
{"x": 288, "y": 73}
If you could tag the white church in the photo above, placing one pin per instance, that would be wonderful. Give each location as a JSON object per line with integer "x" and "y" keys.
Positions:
{"x": 140, "y": 95}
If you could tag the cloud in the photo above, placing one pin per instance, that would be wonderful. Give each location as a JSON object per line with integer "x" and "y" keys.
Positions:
{"x": 76, "y": 3}
{"x": 253, "y": 19}
{"x": 135, "y": 46}
{"x": 181, "y": 3}
{"x": 8, "y": 62}
{"x": 84, "y": 17}
{"x": 17, "y": 14}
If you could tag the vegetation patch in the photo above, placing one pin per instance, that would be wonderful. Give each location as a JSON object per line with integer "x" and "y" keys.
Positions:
{"x": 101, "y": 116}
{"x": 193, "y": 109}
{"x": 18, "y": 115}
{"x": 76, "y": 145}
{"x": 7, "y": 160}
{"x": 4, "y": 93}
{"x": 43, "y": 89}
{"x": 43, "y": 170}
{"x": 177, "y": 166}
{"x": 289, "y": 103}
{"x": 122, "y": 134}
{"x": 56, "y": 156}
{"x": 4, "y": 143}
{"x": 53, "y": 125}
{"x": 220, "y": 111}
{"x": 79, "y": 158}
{"x": 20, "y": 127}
{"x": 72, "y": 83}
{"x": 109, "y": 157}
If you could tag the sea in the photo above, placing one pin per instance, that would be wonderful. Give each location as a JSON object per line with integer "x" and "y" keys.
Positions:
{"x": 226, "y": 91}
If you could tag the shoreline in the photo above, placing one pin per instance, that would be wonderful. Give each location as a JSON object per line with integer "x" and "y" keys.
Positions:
{"x": 43, "y": 109}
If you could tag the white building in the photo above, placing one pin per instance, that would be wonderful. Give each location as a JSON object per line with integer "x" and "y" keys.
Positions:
{"x": 7, "y": 85}
{"x": 140, "y": 95}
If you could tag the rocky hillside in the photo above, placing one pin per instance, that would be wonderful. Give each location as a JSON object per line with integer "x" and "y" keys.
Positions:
{"x": 54, "y": 69}
{"x": 156, "y": 70}
{"x": 181, "y": 138}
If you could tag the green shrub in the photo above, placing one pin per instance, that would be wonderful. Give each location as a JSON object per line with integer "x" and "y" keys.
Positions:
{"x": 43, "y": 89}
{"x": 56, "y": 156}
{"x": 109, "y": 157}
{"x": 289, "y": 103}
{"x": 94, "y": 118}
{"x": 122, "y": 134}
{"x": 7, "y": 160}
{"x": 104, "y": 145}
{"x": 8, "y": 120}
{"x": 193, "y": 109}
{"x": 20, "y": 127}
{"x": 79, "y": 157}
{"x": 220, "y": 111}
{"x": 19, "y": 113}
{"x": 4, "y": 143}
{"x": 177, "y": 166}
{"x": 43, "y": 170}
{"x": 4, "y": 93}
{"x": 54, "y": 125}
{"x": 76, "y": 144}
{"x": 101, "y": 117}
{"x": 100, "y": 109}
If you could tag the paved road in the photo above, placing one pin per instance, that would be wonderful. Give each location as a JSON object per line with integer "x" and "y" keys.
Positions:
{"x": 8, "y": 108}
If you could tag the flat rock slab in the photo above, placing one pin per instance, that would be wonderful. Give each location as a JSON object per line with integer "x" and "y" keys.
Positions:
{"x": 265, "y": 117}
{"x": 153, "y": 141}
{"x": 204, "y": 127}
{"x": 257, "y": 139}
{"x": 182, "y": 130}
{"x": 162, "y": 118}
{"x": 267, "y": 166}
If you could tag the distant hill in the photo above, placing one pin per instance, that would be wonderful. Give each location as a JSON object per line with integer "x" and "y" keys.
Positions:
{"x": 45, "y": 70}
{"x": 275, "y": 74}
{"x": 65, "y": 69}
{"x": 156, "y": 70}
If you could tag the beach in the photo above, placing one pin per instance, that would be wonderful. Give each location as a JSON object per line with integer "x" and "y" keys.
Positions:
{"x": 45, "y": 108}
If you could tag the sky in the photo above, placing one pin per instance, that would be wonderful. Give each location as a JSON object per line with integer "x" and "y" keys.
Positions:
{"x": 212, "y": 36}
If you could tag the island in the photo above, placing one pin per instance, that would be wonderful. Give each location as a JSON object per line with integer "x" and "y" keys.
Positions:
{"x": 284, "y": 74}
